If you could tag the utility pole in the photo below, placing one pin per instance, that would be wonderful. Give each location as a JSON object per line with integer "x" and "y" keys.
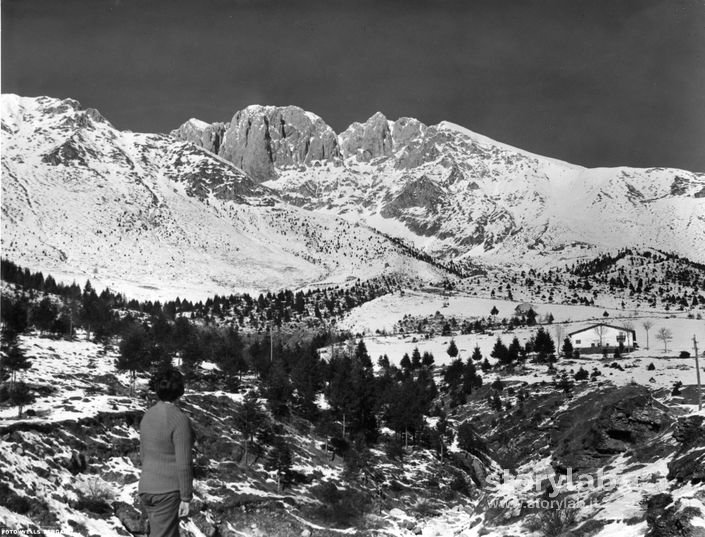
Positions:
{"x": 697, "y": 370}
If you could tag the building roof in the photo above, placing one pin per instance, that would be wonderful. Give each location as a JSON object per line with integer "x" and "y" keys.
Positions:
{"x": 592, "y": 327}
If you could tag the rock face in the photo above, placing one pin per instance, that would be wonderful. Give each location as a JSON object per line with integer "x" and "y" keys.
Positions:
{"x": 209, "y": 136}
{"x": 369, "y": 140}
{"x": 261, "y": 139}
{"x": 669, "y": 517}
{"x": 418, "y": 196}
{"x": 689, "y": 463}
{"x": 607, "y": 423}
{"x": 378, "y": 137}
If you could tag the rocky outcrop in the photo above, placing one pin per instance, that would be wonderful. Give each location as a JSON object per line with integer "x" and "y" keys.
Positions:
{"x": 378, "y": 137}
{"x": 669, "y": 517}
{"x": 261, "y": 139}
{"x": 607, "y": 423}
{"x": 209, "y": 136}
{"x": 406, "y": 130}
{"x": 369, "y": 140}
{"x": 416, "y": 205}
{"x": 420, "y": 193}
{"x": 689, "y": 463}
{"x": 133, "y": 519}
{"x": 205, "y": 175}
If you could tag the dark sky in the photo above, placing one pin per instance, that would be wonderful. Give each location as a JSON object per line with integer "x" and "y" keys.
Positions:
{"x": 595, "y": 82}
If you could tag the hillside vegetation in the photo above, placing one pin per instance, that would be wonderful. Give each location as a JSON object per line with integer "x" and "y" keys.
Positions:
{"x": 304, "y": 430}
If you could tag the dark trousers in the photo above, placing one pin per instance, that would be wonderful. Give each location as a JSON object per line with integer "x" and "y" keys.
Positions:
{"x": 163, "y": 513}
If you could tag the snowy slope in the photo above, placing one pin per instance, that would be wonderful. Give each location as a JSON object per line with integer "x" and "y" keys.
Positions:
{"x": 153, "y": 217}
{"x": 158, "y": 216}
{"x": 455, "y": 193}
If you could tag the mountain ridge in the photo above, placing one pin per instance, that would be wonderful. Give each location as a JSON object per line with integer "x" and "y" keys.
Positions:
{"x": 151, "y": 216}
{"x": 306, "y": 216}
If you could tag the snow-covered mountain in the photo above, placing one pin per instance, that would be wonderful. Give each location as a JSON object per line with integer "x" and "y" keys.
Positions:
{"x": 276, "y": 198}
{"x": 156, "y": 217}
{"x": 457, "y": 194}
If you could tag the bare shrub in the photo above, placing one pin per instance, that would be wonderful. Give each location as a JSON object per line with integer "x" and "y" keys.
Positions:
{"x": 94, "y": 495}
{"x": 552, "y": 522}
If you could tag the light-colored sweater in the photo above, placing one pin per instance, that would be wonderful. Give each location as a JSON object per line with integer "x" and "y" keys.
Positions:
{"x": 166, "y": 441}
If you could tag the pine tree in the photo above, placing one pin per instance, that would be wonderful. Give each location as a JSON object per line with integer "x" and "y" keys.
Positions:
{"x": 476, "y": 354}
{"x": 453, "y": 374}
{"x": 471, "y": 379}
{"x": 427, "y": 389}
{"x": 351, "y": 394}
{"x": 15, "y": 314}
{"x": 249, "y": 417}
{"x": 416, "y": 358}
{"x": 20, "y": 396}
{"x": 531, "y": 317}
{"x": 405, "y": 363}
{"x": 339, "y": 390}
{"x": 427, "y": 359}
{"x": 306, "y": 380}
{"x": 363, "y": 422}
{"x": 443, "y": 433}
{"x": 192, "y": 354}
{"x": 135, "y": 352}
{"x": 407, "y": 403}
{"x": 278, "y": 390}
{"x": 452, "y": 349}
{"x": 581, "y": 374}
{"x": 564, "y": 383}
{"x": 44, "y": 314}
{"x": 383, "y": 362}
{"x": 499, "y": 351}
{"x": 567, "y": 348}
{"x": 230, "y": 355}
{"x": 279, "y": 460}
{"x": 513, "y": 351}
{"x": 543, "y": 344}
{"x": 362, "y": 355}
{"x": 13, "y": 356}
{"x": 260, "y": 356}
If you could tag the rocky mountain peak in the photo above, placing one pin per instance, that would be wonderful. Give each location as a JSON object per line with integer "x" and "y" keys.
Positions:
{"x": 406, "y": 130}
{"x": 67, "y": 114}
{"x": 369, "y": 140}
{"x": 209, "y": 136}
{"x": 261, "y": 139}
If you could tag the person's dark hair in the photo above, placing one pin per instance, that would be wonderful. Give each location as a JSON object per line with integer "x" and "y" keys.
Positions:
{"x": 168, "y": 383}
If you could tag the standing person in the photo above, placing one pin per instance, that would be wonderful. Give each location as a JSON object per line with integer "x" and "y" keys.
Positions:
{"x": 166, "y": 442}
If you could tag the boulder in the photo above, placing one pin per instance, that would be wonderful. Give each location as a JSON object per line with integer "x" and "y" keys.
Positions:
{"x": 689, "y": 431}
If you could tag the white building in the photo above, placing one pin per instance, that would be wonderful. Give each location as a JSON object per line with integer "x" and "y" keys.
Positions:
{"x": 599, "y": 337}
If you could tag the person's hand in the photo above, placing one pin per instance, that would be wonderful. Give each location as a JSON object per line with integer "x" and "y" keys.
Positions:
{"x": 184, "y": 509}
